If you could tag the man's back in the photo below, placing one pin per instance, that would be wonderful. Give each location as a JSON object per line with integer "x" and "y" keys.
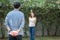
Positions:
{"x": 15, "y": 18}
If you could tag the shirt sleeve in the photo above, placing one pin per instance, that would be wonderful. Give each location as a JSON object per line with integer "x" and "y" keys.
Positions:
{"x": 22, "y": 22}
{"x": 6, "y": 21}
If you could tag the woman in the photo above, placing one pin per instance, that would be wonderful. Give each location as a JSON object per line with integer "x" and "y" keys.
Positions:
{"x": 32, "y": 22}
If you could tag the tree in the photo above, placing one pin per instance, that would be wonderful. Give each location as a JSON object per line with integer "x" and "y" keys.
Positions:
{"x": 47, "y": 11}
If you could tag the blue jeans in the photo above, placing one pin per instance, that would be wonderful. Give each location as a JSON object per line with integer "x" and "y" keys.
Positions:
{"x": 19, "y": 37}
{"x": 32, "y": 33}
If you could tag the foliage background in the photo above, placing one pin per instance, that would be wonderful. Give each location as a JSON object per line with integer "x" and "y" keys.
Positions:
{"x": 47, "y": 13}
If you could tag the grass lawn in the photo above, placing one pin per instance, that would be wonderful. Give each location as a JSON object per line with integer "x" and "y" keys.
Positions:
{"x": 40, "y": 38}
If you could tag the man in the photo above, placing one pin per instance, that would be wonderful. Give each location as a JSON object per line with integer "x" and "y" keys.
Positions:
{"x": 14, "y": 22}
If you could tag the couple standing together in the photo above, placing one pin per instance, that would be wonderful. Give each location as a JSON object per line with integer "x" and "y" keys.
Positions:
{"x": 15, "y": 21}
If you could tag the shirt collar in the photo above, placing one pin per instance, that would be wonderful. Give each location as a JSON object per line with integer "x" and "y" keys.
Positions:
{"x": 16, "y": 9}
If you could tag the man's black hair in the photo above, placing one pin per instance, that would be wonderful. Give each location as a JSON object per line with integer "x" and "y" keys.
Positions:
{"x": 16, "y": 4}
